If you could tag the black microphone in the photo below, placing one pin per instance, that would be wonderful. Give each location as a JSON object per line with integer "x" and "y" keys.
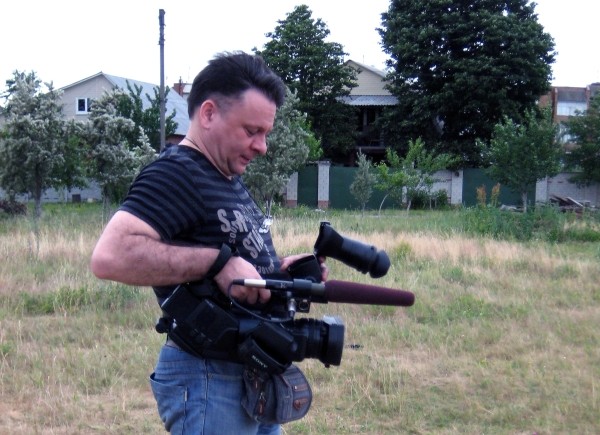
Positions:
{"x": 336, "y": 291}
{"x": 300, "y": 287}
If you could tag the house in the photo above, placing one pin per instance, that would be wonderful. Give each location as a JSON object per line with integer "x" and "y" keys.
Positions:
{"x": 79, "y": 97}
{"x": 370, "y": 97}
{"x": 77, "y": 100}
{"x": 182, "y": 88}
{"x": 568, "y": 101}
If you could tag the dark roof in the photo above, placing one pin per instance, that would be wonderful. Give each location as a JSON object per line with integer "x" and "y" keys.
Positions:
{"x": 370, "y": 100}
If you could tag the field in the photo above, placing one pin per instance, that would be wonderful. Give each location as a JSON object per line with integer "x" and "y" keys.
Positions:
{"x": 503, "y": 337}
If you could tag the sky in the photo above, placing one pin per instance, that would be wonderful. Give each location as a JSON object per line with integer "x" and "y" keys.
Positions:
{"x": 65, "y": 41}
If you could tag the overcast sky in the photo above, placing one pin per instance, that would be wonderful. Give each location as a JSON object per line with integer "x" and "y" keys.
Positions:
{"x": 65, "y": 41}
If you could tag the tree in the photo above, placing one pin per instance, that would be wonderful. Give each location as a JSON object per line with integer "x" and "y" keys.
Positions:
{"x": 364, "y": 181}
{"x": 132, "y": 106}
{"x": 520, "y": 154}
{"x": 412, "y": 174}
{"x": 72, "y": 173}
{"x": 458, "y": 68}
{"x": 288, "y": 150}
{"x": 315, "y": 70}
{"x": 391, "y": 177}
{"x": 584, "y": 130}
{"x": 420, "y": 165}
{"x": 33, "y": 144}
{"x": 113, "y": 160}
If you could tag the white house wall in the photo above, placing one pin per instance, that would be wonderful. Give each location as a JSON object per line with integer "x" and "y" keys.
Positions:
{"x": 93, "y": 88}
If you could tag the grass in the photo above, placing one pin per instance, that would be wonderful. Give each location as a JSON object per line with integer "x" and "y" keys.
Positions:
{"x": 503, "y": 337}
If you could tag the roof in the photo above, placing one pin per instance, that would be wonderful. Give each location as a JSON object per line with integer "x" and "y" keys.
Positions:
{"x": 367, "y": 67}
{"x": 370, "y": 100}
{"x": 174, "y": 101}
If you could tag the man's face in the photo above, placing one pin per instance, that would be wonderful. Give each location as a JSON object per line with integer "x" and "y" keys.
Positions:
{"x": 239, "y": 133}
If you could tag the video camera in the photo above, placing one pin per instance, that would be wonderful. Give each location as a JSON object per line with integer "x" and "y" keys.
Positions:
{"x": 204, "y": 322}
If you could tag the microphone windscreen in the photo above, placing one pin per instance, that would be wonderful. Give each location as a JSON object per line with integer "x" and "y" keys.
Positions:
{"x": 355, "y": 293}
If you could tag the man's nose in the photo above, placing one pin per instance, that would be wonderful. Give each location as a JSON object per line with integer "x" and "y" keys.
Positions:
{"x": 259, "y": 144}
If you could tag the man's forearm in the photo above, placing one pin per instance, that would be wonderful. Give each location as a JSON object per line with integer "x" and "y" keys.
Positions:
{"x": 131, "y": 251}
{"x": 142, "y": 260}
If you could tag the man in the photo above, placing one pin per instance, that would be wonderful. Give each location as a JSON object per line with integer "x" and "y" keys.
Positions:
{"x": 183, "y": 219}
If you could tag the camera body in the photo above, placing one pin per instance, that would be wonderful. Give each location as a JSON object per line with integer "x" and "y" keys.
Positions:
{"x": 204, "y": 322}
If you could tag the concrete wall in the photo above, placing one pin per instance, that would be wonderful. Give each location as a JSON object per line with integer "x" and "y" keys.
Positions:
{"x": 561, "y": 186}
{"x": 89, "y": 194}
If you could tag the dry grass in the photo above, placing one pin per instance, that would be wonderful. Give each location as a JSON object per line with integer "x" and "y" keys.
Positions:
{"x": 503, "y": 337}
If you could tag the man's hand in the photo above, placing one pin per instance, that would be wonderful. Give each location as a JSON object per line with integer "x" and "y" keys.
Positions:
{"x": 289, "y": 260}
{"x": 238, "y": 268}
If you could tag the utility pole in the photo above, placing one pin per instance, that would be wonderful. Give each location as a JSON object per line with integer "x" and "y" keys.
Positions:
{"x": 161, "y": 42}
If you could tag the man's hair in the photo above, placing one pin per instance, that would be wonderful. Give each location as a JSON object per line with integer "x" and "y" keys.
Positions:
{"x": 229, "y": 75}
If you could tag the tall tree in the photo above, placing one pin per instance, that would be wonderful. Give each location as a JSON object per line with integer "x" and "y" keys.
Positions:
{"x": 288, "y": 150}
{"x": 113, "y": 160}
{"x": 519, "y": 154}
{"x": 72, "y": 173}
{"x": 584, "y": 130}
{"x": 459, "y": 67}
{"x": 33, "y": 144}
{"x": 132, "y": 106}
{"x": 315, "y": 70}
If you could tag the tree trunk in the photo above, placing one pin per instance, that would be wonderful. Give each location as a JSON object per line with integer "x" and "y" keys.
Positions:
{"x": 524, "y": 200}
{"x": 381, "y": 205}
{"x": 37, "y": 213}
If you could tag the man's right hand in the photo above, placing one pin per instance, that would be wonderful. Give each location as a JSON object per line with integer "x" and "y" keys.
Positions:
{"x": 238, "y": 268}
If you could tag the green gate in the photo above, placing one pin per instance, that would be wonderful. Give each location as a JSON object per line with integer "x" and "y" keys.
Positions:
{"x": 308, "y": 187}
{"x": 340, "y": 197}
{"x": 475, "y": 178}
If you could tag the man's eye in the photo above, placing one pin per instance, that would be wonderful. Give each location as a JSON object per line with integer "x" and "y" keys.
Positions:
{"x": 251, "y": 132}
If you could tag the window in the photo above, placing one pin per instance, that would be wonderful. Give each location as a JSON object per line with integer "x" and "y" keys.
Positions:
{"x": 83, "y": 105}
{"x": 570, "y": 108}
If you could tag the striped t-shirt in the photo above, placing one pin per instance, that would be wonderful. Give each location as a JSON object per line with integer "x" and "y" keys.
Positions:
{"x": 189, "y": 202}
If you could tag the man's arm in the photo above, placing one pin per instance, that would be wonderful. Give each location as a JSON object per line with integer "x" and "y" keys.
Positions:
{"x": 131, "y": 251}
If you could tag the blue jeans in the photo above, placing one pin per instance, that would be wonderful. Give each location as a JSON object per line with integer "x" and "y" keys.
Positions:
{"x": 201, "y": 396}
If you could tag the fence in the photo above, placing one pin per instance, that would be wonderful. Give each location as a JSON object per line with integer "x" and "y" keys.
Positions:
{"x": 325, "y": 186}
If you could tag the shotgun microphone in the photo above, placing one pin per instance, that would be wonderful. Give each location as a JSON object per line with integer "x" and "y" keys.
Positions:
{"x": 336, "y": 291}
{"x": 355, "y": 293}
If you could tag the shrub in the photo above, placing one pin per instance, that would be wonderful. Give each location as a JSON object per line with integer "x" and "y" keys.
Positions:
{"x": 13, "y": 208}
{"x": 542, "y": 222}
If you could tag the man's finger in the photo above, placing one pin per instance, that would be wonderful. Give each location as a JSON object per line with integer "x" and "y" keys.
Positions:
{"x": 264, "y": 295}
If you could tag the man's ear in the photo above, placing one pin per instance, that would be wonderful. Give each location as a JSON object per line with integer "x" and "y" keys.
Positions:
{"x": 206, "y": 112}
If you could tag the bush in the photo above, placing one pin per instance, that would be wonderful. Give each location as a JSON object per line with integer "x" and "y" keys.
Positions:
{"x": 436, "y": 200}
{"x": 13, "y": 208}
{"x": 542, "y": 222}
{"x": 440, "y": 199}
